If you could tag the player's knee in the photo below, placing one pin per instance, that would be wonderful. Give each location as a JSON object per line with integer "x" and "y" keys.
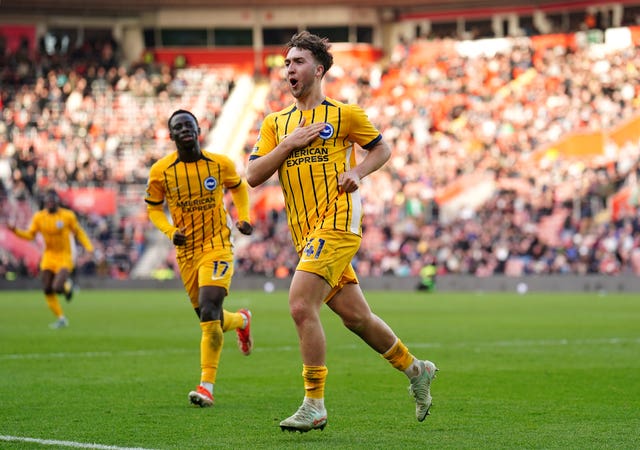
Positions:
{"x": 209, "y": 312}
{"x": 299, "y": 311}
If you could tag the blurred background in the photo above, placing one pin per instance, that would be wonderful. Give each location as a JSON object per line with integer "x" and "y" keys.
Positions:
{"x": 515, "y": 129}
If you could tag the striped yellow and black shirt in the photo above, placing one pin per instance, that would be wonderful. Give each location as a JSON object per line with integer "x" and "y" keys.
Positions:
{"x": 309, "y": 176}
{"x": 194, "y": 194}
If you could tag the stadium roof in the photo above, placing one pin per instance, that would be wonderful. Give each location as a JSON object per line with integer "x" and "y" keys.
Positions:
{"x": 120, "y": 8}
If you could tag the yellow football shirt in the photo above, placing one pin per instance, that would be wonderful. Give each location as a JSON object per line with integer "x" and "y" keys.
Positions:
{"x": 309, "y": 176}
{"x": 194, "y": 194}
{"x": 56, "y": 230}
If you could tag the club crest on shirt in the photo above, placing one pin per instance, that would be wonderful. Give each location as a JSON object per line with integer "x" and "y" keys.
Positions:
{"x": 210, "y": 183}
{"x": 327, "y": 131}
{"x": 59, "y": 224}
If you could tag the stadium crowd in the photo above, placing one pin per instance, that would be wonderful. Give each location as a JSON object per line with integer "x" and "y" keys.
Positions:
{"x": 455, "y": 119}
{"x": 81, "y": 121}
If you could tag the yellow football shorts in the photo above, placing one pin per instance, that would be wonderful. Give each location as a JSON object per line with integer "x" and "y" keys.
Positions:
{"x": 328, "y": 254}
{"x": 210, "y": 269}
{"x": 55, "y": 261}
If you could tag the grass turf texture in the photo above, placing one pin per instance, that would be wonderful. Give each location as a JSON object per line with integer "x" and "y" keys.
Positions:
{"x": 516, "y": 371}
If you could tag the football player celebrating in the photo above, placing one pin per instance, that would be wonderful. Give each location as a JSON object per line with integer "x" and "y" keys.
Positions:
{"x": 311, "y": 144}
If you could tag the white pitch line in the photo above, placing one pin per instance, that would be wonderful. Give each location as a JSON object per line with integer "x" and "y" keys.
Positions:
{"x": 355, "y": 345}
{"x": 72, "y": 444}
{"x": 533, "y": 343}
{"x": 92, "y": 354}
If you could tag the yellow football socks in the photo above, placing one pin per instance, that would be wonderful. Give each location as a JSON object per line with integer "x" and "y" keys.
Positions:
{"x": 399, "y": 356}
{"x": 210, "y": 349}
{"x": 314, "y": 379}
{"x": 232, "y": 320}
{"x": 54, "y": 305}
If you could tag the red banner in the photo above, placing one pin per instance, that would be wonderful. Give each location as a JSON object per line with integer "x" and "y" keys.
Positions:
{"x": 101, "y": 201}
{"x": 28, "y": 251}
{"x": 15, "y": 35}
{"x": 623, "y": 203}
{"x": 635, "y": 34}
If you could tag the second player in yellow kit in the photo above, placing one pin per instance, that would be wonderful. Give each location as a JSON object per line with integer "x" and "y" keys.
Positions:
{"x": 57, "y": 226}
{"x": 191, "y": 182}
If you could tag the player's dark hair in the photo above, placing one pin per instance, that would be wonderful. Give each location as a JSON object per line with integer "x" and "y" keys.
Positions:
{"x": 47, "y": 194}
{"x": 318, "y": 46}
{"x": 181, "y": 111}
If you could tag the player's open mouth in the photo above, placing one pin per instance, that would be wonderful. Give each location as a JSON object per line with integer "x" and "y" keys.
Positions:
{"x": 293, "y": 82}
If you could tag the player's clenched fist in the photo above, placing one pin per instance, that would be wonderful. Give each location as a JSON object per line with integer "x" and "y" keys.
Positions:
{"x": 244, "y": 227}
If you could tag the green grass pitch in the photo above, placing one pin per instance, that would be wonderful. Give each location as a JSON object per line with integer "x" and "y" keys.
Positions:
{"x": 534, "y": 371}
